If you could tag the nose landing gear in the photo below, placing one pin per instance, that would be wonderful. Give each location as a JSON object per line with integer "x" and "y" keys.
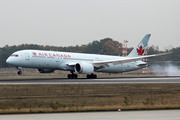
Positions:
{"x": 19, "y": 72}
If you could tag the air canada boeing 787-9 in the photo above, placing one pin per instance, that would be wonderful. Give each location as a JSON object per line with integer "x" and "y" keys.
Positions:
{"x": 49, "y": 61}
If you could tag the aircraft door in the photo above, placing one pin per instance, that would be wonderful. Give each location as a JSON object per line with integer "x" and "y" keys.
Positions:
{"x": 27, "y": 56}
{"x": 57, "y": 59}
{"x": 124, "y": 67}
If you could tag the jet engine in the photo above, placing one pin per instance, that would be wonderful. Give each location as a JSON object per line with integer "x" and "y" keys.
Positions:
{"x": 84, "y": 68}
{"x": 45, "y": 70}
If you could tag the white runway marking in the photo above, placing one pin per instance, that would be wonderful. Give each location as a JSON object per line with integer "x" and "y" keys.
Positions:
{"x": 123, "y": 115}
{"x": 94, "y": 81}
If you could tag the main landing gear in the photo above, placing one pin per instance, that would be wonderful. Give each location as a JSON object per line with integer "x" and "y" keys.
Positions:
{"x": 72, "y": 76}
{"x": 91, "y": 76}
{"x": 75, "y": 76}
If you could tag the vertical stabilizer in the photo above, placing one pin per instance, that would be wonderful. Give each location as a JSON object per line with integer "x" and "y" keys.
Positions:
{"x": 141, "y": 47}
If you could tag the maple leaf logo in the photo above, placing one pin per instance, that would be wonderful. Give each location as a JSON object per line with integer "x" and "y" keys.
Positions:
{"x": 34, "y": 53}
{"x": 140, "y": 51}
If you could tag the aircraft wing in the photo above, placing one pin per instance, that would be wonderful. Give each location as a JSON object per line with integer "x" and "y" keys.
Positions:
{"x": 104, "y": 64}
{"x": 101, "y": 64}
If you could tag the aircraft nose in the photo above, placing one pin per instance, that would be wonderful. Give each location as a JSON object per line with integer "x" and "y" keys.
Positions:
{"x": 9, "y": 61}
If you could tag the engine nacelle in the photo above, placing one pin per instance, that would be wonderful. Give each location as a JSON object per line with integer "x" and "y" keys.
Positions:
{"x": 45, "y": 70}
{"x": 84, "y": 68}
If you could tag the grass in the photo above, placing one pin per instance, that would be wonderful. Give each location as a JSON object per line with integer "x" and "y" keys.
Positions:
{"x": 88, "y": 97}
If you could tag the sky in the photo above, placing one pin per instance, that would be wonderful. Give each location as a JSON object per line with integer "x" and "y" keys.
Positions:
{"x": 77, "y": 22}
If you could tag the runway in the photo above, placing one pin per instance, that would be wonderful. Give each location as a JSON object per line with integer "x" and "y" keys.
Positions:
{"x": 124, "y": 115}
{"x": 115, "y": 80}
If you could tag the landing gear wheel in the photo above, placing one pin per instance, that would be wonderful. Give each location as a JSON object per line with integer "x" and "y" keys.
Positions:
{"x": 87, "y": 76}
{"x": 72, "y": 76}
{"x": 69, "y": 76}
{"x": 91, "y": 76}
{"x": 19, "y": 73}
{"x": 95, "y": 76}
{"x": 75, "y": 76}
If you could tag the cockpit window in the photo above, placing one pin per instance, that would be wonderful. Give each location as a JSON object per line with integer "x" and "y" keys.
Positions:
{"x": 14, "y": 55}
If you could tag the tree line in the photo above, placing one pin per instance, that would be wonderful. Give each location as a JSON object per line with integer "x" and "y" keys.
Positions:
{"x": 105, "y": 46}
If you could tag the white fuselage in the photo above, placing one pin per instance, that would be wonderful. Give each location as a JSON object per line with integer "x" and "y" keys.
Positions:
{"x": 40, "y": 59}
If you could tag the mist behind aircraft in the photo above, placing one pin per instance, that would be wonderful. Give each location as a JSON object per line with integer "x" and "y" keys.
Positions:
{"x": 167, "y": 69}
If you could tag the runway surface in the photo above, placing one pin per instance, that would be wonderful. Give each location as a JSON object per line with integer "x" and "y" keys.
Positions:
{"x": 124, "y": 115}
{"x": 93, "y": 81}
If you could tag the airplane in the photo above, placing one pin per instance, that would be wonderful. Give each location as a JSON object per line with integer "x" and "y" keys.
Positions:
{"x": 81, "y": 63}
